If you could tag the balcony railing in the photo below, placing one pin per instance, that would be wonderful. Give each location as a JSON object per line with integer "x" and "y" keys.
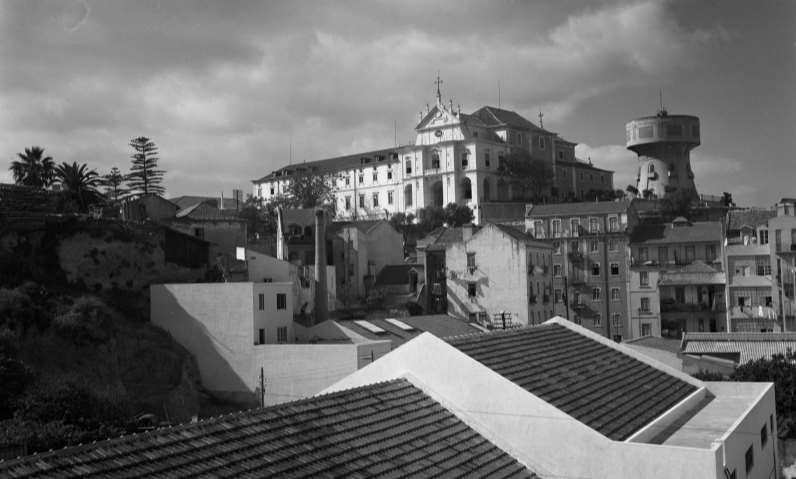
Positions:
{"x": 644, "y": 312}
{"x": 675, "y": 307}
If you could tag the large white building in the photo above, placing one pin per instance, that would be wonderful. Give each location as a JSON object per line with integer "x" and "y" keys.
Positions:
{"x": 455, "y": 159}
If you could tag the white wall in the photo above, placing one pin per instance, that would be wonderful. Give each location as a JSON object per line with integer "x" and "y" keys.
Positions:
{"x": 746, "y": 433}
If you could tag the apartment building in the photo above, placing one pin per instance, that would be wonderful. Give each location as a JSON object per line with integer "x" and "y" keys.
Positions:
{"x": 499, "y": 274}
{"x": 679, "y": 265}
{"x": 590, "y": 259}
{"x": 782, "y": 229}
{"x": 750, "y": 285}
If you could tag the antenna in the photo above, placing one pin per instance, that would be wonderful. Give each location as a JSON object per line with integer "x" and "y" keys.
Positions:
{"x": 498, "y": 93}
{"x": 541, "y": 115}
{"x": 395, "y": 131}
{"x": 662, "y": 111}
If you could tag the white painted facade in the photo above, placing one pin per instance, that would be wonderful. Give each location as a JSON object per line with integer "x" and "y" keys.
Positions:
{"x": 553, "y": 444}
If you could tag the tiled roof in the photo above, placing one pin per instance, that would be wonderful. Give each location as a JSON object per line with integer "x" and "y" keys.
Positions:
{"x": 393, "y": 274}
{"x": 752, "y": 217}
{"x": 494, "y": 117}
{"x": 581, "y": 164}
{"x": 440, "y": 325}
{"x": 521, "y": 236}
{"x": 389, "y": 429}
{"x": 584, "y": 208}
{"x": 607, "y": 390}
{"x": 443, "y": 236}
{"x": 665, "y": 233}
{"x": 748, "y": 346}
{"x": 697, "y": 272}
{"x": 186, "y": 201}
{"x": 664, "y": 344}
{"x": 331, "y": 165}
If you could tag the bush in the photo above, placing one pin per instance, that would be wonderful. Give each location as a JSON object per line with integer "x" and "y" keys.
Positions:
{"x": 87, "y": 321}
{"x": 414, "y": 308}
{"x": 18, "y": 313}
{"x": 14, "y": 377}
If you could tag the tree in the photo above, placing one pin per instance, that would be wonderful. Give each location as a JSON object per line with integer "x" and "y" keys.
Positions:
{"x": 145, "y": 177}
{"x": 632, "y": 190}
{"x": 260, "y": 216}
{"x": 113, "y": 184}
{"x": 677, "y": 203}
{"x": 78, "y": 184}
{"x": 33, "y": 168}
{"x": 726, "y": 198}
{"x": 531, "y": 177}
{"x": 458, "y": 215}
{"x": 308, "y": 190}
{"x": 429, "y": 218}
{"x": 401, "y": 221}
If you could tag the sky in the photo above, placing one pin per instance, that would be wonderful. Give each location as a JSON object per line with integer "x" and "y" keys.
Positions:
{"x": 227, "y": 89}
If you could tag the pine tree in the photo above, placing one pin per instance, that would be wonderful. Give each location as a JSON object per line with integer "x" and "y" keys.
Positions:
{"x": 113, "y": 184}
{"x": 144, "y": 177}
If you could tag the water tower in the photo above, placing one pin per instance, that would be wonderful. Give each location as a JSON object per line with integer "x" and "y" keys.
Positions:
{"x": 663, "y": 144}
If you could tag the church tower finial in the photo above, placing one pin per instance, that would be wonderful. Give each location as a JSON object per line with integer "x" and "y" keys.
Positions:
{"x": 438, "y": 82}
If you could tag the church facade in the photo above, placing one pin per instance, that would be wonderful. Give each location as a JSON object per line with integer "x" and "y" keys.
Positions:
{"x": 455, "y": 159}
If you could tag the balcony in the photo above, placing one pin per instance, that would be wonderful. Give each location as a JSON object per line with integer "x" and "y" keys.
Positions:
{"x": 643, "y": 312}
{"x": 532, "y": 299}
{"x": 677, "y": 307}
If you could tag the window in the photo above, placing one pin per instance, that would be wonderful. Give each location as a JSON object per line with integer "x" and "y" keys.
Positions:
{"x": 560, "y": 155}
{"x": 361, "y": 201}
{"x": 663, "y": 255}
{"x": 763, "y": 236}
{"x": 763, "y": 436}
{"x": 501, "y": 160}
{"x": 690, "y": 253}
{"x": 556, "y": 225}
{"x": 595, "y": 294}
{"x": 651, "y": 168}
{"x": 613, "y": 244}
{"x": 556, "y": 247}
{"x": 616, "y": 322}
{"x": 778, "y": 239}
{"x": 361, "y": 178}
{"x": 573, "y": 246}
{"x": 281, "y": 301}
{"x": 646, "y": 329}
{"x": 643, "y": 254}
{"x": 389, "y": 198}
{"x": 281, "y": 334}
{"x": 575, "y": 297}
{"x": 471, "y": 262}
{"x": 613, "y": 223}
{"x": 558, "y": 296}
{"x": 644, "y": 279}
{"x": 486, "y": 158}
{"x": 541, "y": 142}
{"x": 750, "y": 459}
{"x": 538, "y": 229}
{"x": 645, "y": 305}
{"x": 594, "y": 246}
{"x": 595, "y": 269}
{"x": 408, "y": 167}
{"x": 199, "y": 232}
{"x": 389, "y": 174}
{"x": 347, "y": 180}
{"x": 574, "y": 223}
{"x": 598, "y": 321}
{"x": 272, "y": 190}
{"x": 435, "y": 160}
{"x": 471, "y": 290}
{"x": 556, "y": 270}
{"x": 408, "y": 195}
{"x": 261, "y": 336}
{"x": 594, "y": 225}
{"x": 614, "y": 269}
{"x": 710, "y": 252}
{"x": 261, "y": 301}
{"x": 347, "y": 203}
{"x": 615, "y": 295}
{"x": 376, "y": 200}
{"x": 465, "y": 162}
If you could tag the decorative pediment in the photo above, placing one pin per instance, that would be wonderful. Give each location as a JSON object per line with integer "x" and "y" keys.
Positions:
{"x": 439, "y": 116}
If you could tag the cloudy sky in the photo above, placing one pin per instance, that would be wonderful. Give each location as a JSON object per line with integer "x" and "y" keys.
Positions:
{"x": 225, "y": 87}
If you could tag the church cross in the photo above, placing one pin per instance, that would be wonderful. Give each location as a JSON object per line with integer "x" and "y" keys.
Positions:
{"x": 438, "y": 82}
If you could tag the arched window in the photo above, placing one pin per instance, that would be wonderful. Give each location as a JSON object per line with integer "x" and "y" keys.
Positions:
{"x": 435, "y": 159}
{"x": 467, "y": 189}
{"x": 487, "y": 192}
{"x": 651, "y": 168}
{"x": 408, "y": 195}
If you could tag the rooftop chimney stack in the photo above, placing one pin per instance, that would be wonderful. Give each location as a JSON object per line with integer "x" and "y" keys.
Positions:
{"x": 321, "y": 305}
{"x": 221, "y": 202}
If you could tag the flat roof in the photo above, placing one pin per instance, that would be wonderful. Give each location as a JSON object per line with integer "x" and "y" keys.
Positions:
{"x": 708, "y": 424}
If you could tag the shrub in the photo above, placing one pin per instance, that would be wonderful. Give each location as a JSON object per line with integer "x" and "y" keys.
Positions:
{"x": 414, "y": 308}
{"x": 19, "y": 313}
{"x": 14, "y": 377}
{"x": 88, "y": 320}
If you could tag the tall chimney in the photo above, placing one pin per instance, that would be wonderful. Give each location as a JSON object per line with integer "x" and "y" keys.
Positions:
{"x": 321, "y": 304}
{"x": 221, "y": 202}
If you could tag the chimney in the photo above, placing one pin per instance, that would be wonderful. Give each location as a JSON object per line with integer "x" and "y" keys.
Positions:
{"x": 321, "y": 306}
{"x": 467, "y": 231}
{"x": 221, "y": 202}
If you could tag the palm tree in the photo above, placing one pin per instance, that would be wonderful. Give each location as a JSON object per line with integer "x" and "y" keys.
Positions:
{"x": 79, "y": 184}
{"x": 33, "y": 168}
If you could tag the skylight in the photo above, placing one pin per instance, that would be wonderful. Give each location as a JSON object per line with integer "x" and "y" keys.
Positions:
{"x": 369, "y": 326}
{"x": 400, "y": 324}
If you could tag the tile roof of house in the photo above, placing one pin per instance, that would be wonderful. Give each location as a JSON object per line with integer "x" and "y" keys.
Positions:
{"x": 666, "y": 233}
{"x": 388, "y": 429}
{"x": 440, "y": 238}
{"x": 697, "y": 272}
{"x": 331, "y": 165}
{"x": 602, "y": 387}
{"x": 749, "y": 346}
{"x": 581, "y": 164}
{"x": 664, "y": 344}
{"x": 397, "y": 274}
{"x": 206, "y": 210}
{"x": 752, "y": 217}
{"x": 494, "y": 117}
{"x": 521, "y": 236}
{"x": 577, "y": 209}
{"x": 440, "y": 325}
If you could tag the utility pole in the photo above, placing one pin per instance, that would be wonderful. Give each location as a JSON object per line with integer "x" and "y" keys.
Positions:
{"x": 262, "y": 388}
